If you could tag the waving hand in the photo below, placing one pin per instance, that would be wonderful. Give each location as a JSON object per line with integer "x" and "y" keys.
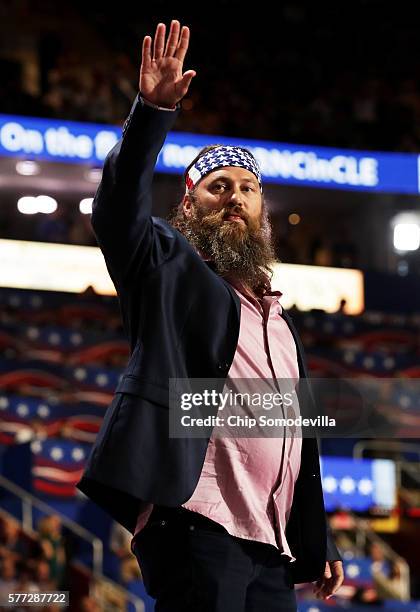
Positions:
{"x": 162, "y": 81}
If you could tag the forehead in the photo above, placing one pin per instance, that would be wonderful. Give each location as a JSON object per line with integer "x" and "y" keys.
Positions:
{"x": 235, "y": 173}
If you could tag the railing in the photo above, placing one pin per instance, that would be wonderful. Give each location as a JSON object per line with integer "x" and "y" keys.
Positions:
{"x": 101, "y": 590}
{"x": 29, "y": 502}
{"x": 364, "y": 534}
{"x": 395, "y": 446}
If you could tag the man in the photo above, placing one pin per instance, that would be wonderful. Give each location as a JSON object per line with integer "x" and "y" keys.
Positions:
{"x": 218, "y": 526}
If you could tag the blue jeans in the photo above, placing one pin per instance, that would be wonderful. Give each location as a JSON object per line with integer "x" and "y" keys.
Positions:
{"x": 190, "y": 563}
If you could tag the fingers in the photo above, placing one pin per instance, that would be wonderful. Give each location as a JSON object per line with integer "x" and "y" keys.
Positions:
{"x": 184, "y": 40}
{"x": 329, "y": 584}
{"x": 338, "y": 575}
{"x": 330, "y": 588}
{"x": 185, "y": 82}
{"x": 336, "y": 584}
{"x": 320, "y": 585}
{"x": 173, "y": 38}
{"x": 324, "y": 590}
{"x": 159, "y": 42}
{"x": 177, "y": 43}
{"x": 146, "y": 57}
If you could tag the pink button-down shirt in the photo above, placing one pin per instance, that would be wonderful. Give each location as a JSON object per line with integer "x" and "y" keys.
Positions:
{"x": 247, "y": 483}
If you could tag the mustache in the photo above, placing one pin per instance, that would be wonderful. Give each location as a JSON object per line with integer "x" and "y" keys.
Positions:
{"x": 238, "y": 213}
{"x": 218, "y": 217}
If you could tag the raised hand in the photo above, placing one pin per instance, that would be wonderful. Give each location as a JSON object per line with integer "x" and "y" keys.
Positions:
{"x": 161, "y": 79}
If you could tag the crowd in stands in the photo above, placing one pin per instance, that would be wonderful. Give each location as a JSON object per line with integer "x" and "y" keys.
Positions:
{"x": 35, "y": 563}
{"x": 387, "y": 583}
{"x": 303, "y": 77}
{"x": 62, "y": 358}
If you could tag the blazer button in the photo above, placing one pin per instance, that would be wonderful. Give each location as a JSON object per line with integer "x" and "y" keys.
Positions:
{"x": 223, "y": 367}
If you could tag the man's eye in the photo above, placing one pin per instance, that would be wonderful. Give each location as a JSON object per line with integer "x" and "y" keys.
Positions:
{"x": 219, "y": 186}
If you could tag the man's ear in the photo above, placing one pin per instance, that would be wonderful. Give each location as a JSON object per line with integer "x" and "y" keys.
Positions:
{"x": 187, "y": 203}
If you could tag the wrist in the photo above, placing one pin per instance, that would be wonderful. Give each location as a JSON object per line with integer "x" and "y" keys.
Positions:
{"x": 160, "y": 106}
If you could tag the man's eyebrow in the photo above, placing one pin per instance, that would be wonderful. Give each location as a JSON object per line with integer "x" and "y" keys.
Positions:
{"x": 224, "y": 177}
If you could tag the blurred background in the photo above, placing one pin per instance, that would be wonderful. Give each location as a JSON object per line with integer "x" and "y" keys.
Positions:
{"x": 328, "y": 98}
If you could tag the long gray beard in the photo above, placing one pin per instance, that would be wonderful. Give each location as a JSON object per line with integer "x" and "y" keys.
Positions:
{"x": 245, "y": 254}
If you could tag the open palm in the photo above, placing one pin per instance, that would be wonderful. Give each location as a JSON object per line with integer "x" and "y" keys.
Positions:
{"x": 161, "y": 79}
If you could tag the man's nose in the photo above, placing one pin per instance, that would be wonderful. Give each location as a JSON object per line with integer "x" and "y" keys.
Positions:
{"x": 236, "y": 196}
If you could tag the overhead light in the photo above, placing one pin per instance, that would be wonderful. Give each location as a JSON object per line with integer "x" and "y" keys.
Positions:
{"x": 46, "y": 204}
{"x": 85, "y": 206}
{"x": 27, "y": 167}
{"x": 406, "y": 231}
{"x": 294, "y": 219}
{"x": 27, "y": 205}
{"x": 406, "y": 237}
{"x": 30, "y": 205}
{"x": 94, "y": 175}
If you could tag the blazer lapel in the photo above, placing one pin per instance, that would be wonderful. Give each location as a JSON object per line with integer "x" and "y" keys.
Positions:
{"x": 233, "y": 296}
{"x": 229, "y": 287}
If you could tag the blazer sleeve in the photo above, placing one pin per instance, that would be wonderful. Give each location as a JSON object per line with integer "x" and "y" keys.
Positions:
{"x": 332, "y": 550}
{"x": 121, "y": 210}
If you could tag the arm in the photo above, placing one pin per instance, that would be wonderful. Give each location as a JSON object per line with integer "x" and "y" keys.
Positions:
{"x": 121, "y": 212}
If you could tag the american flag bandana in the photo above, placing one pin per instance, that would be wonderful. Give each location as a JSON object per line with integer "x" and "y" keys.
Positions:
{"x": 218, "y": 158}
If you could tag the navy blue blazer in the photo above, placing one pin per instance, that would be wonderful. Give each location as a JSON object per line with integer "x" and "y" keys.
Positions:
{"x": 182, "y": 321}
